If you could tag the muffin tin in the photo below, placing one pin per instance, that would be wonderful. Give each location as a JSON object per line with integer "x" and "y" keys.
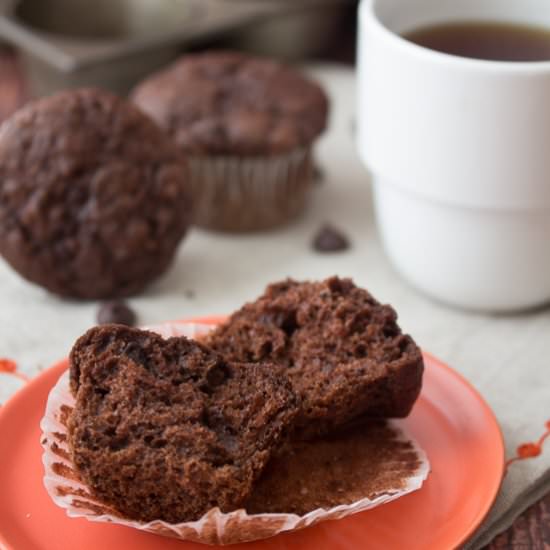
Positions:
{"x": 114, "y": 43}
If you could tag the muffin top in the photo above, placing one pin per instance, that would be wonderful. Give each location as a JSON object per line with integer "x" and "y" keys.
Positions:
{"x": 93, "y": 195}
{"x": 231, "y": 103}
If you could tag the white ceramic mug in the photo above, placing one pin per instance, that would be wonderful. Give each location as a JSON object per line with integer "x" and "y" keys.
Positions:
{"x": 460, "y": 154}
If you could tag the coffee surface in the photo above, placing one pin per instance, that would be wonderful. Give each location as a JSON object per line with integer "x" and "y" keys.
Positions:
{"x": 486, "y": 40}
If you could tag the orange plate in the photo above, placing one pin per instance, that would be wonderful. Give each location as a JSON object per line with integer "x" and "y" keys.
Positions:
{"x": 450, "y": 420}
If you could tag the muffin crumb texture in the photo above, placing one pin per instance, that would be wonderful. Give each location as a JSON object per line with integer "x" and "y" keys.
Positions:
{"x": 161, "y": 428}
{"x": 343, "y": 351}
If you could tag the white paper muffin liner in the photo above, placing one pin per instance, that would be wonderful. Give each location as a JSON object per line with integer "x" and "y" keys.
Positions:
{"x": 215, "y": 527}
{"x": 234, "y": 193}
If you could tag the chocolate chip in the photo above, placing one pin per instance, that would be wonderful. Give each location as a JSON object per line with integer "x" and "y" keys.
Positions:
{"x": 330, "y": 239}
{"x": 318, "y": 174}
{"x": 290, "y": 323}
{"x": 189, "y": 294}
{"x": 116, "y": 312}
{"x": 136, "y": 353}
{"x": 217, "y": 375}
{"x": 102, "y": 392}
{"x": 283, "y": 319}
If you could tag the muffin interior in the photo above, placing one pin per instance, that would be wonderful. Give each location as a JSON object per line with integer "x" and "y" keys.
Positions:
{"x": 343, "y": 351}
{"x": 161, "y": 430}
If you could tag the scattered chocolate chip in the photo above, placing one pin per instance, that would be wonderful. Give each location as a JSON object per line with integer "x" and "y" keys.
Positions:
{"x": 318, "y": 174}
{"x": 116, "y": 312}
{"x": 330, "y": 239}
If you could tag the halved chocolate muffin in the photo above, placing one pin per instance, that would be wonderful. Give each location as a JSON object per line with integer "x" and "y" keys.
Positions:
{"x": 167, "y": 429}
{"x": 343, "y": 351}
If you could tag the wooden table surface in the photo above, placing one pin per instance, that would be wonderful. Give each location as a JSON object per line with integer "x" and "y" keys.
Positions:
{"x": 530, "y": 531}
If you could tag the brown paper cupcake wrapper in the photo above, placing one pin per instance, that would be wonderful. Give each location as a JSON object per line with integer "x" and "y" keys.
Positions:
{"x": 215, "y": 527}
{"x": 249, "y": 193}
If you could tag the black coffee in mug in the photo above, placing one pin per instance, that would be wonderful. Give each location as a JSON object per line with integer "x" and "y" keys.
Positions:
{"x": 486, "y": 40}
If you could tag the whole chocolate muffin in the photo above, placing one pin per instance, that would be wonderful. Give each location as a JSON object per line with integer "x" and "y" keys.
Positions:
{"x": 94, "y": 196}
{"x": 343, "y": 351}
{"x": 167, "y": 429}
{"x": 247, "y": 125}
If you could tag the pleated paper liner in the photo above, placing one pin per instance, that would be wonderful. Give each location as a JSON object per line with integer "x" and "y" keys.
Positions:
{"x": 240, "y": 194}
{"x": 308, "y": 482}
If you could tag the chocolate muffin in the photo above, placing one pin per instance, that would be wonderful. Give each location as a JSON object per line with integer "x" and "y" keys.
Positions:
{"x": 247, "y": 125}
{"x": 167, "y": 429}
{"x": 343, "y": 351}
{"x": 94, "y": 197}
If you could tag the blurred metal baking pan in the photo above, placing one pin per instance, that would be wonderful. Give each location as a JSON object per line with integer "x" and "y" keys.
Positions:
{"x": 303, "y": 32}
{"x": 114, "y": 43}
